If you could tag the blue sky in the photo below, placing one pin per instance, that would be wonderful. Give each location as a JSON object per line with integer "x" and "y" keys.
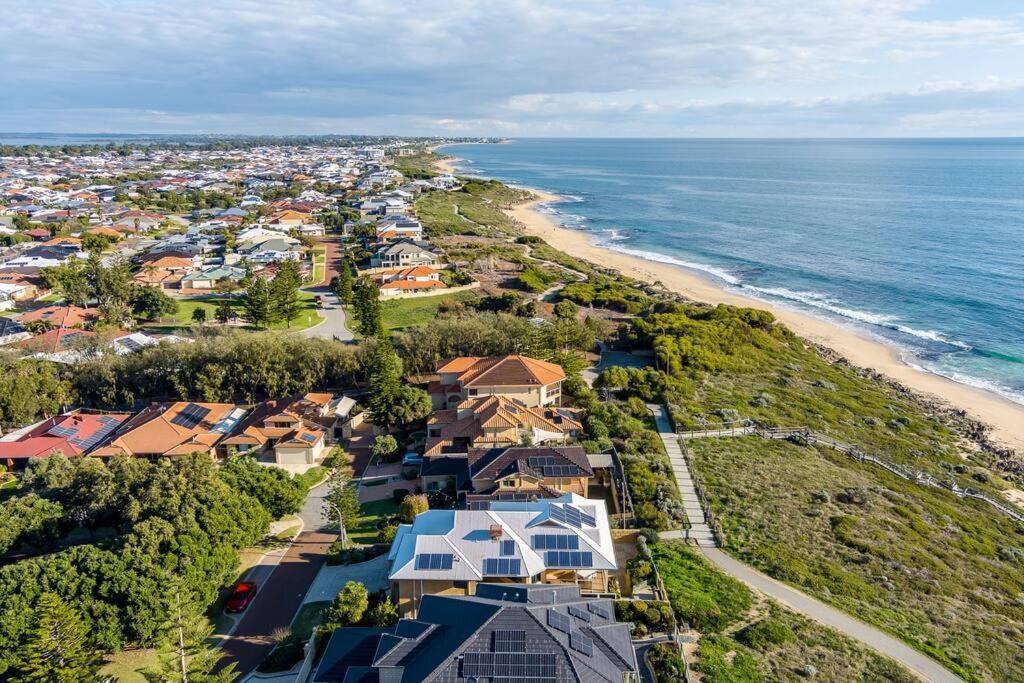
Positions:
{"x": 515, "y": 67}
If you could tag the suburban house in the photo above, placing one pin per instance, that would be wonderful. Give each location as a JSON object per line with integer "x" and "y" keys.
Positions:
{"x": 404, "y": 253}
{"x": 398, "y": 228}
{"x": 62, "y": 316}
{"x": 295, "y": 431}
{"x": 415, "y": 278}
{"x": 561, "y": 541}
{"x": 209, "y": 277}
{"x": 527, "y": 380}
{"x": 170, "y": 429}
{"x": 494, "y": 420}
{"x": 526, "y": 474}
{"x": 269, "y": 251}
{"x": 164, "y": 270}
{"x": 72, "y": 434}
{"x": 501, "y": 633}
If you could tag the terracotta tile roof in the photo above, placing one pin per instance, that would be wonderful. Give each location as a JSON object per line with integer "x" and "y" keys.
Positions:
{"x": 62, "y": 316}
{"x": 174, "y": 429}
{"x": 72, "y": 434}
{"x": 414, "y": 284}
{"x": 503, "y": 371}
{"x": 300, "y": 412}
{"x": 52, "y": 341}
{"x": 468, "y": 424}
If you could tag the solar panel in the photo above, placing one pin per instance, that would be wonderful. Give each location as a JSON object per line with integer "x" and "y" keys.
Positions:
{"x": 503, "y": 566}
{"x": 572, "y": 515}
{"x": 509, "y": 641}
{"x": 556, "y": 542}
{"x": 581, "y": 643}
{"x": 434, "y": 561}
{"x": 309, "y": 438}
{"x": 599, "y": 609}
{"x": 508, "y": 548}
{"x": 559, "y": 621}
{"x": 538, "y": 461}
{"x": 579, "y": 612}
{"x": 568, "y": 558}
{"x": 510, "y": 665}
{"x": 63, "y": 431}
{"x": 191, "y": 415}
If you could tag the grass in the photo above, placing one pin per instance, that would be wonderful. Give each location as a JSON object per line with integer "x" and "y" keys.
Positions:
{"x": 943, "y": 574}
{"x": 306, "y": 317}
{"x": 745, "y": 638}
{"x": 319, "y": 265}
{"x": 127, "y": 666}
{"x": 365, "y": 531}
{"x": 405, "y": 313}
{"x": 308, "y": 617}
{"x": 473, "y": 210}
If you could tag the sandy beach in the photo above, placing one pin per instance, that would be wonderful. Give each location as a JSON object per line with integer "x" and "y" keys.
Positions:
{"x": 1004, "y": 416}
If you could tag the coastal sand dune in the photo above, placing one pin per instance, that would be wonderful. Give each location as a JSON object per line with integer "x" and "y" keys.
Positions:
{"x": 1004, "y": 416}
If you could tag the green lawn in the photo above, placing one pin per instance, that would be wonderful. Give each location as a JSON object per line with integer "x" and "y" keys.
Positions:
{"x": 412, "y": 312}
{"x": 307, "y": 618}
{"x": 127, "y": 666}
{"x": 319, "y": 265}
{"x": 307, "y": 316}
{"x": 365, "y": 531}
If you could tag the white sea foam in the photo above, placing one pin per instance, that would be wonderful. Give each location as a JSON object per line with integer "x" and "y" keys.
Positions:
{"x": 720, "y": 273}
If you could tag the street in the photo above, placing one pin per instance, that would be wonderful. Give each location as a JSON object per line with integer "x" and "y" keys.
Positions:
{"x": 280, "y": 595}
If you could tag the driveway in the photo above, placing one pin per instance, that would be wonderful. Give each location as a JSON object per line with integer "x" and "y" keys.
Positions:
{"x": 373, "y": 574}
{"x": 281, "y": 593}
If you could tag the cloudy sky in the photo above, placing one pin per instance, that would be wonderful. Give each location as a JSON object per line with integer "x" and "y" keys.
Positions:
{"x": 515, "y": 67}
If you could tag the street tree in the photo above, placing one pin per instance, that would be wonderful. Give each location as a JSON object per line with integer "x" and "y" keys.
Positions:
{"x": 58, "y": 648}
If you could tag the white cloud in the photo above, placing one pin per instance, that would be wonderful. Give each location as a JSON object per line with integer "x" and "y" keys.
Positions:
{"x": 522, "y": 66}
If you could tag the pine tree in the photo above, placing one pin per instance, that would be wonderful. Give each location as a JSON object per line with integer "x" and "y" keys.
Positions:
{"x": 182, "y": 644}
{"x": 285, "y": 292}
{"x": 366, "y": 306}
{"x": 385, "y": 383}
{"x": 57, "y": 650}
{"x": 257, "y": 302}
{"x": 344, "y": 282}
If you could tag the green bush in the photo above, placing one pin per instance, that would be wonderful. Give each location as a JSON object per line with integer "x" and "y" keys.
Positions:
{"x": 764, "y": 634}
{"x": 700, "y": 595}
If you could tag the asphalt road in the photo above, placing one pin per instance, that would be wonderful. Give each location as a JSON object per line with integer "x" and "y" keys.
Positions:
{"x": 280, "y": 594}
{"x": 334, "y": 325}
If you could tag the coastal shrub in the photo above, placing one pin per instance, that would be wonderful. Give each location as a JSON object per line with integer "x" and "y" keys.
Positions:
{"x": 722, "y": 660}
{"x": 700, "y": 595}
{"x": 666, "y": 663}
{"x": 535, "y": 279}
{"x": 764, "y": 634}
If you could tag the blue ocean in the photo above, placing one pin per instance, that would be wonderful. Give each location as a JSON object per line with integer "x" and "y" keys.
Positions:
{"x": 917, "y": 242}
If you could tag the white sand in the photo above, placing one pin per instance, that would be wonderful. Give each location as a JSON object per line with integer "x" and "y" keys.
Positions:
{"x": 1004, "y": 416}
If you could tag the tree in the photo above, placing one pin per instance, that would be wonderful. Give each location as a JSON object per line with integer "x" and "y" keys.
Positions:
{"x": 383, "y": 614}
{"x": 150, "y": 302}
{"x": 343, "y": 282}
{"x": 391, "y": 401}
{"x": 199, "y": 316}
{"x": 566, "y": 309}
{"x": 285, "y": 292}
{"x": 349, "y": 606}
{"x": 366, "y": 307}
{"x": 184, "y": 653}
{"x": 614, "y": 377}
{"x": 411, "y": 506}
{"x": 257, "y": 302}
{"x": 58, "y": 648}
{"x": 223, "y": 313}
{"x": 276, "y": 490}
{"x": 384, "y": 446}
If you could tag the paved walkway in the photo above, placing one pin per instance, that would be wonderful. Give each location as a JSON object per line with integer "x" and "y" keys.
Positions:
{"x": 926, "y": 668}
{"x": 699, "y": 530}
{"x": 920, "y": 664}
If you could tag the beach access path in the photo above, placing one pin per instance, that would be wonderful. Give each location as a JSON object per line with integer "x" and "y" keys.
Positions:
{"x": 923, "y": 666}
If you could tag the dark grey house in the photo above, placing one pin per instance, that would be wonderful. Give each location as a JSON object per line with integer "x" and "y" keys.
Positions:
{"x": 506, "y": 633}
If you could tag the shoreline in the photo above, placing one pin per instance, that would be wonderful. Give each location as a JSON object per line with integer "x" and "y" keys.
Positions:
{"x": 1003, "y": 416}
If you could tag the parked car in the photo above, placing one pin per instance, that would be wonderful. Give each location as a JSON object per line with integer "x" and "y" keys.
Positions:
{"x": 243, "y": 594}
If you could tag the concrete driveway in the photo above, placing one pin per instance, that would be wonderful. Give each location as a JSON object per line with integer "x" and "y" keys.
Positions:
{"x": 373, "y": 574}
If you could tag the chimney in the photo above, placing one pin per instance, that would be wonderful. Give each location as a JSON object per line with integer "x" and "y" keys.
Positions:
{"x": 496, "y": 532}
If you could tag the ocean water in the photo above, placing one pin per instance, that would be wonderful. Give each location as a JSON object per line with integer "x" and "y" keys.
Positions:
{"x": 917, "y": 242}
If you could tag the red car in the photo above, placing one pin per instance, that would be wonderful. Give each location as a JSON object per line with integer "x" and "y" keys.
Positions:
{"x": 243, "y": 594}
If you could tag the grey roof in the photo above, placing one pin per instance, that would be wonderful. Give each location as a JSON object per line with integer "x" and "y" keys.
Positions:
{"x": 450, "y": 632}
